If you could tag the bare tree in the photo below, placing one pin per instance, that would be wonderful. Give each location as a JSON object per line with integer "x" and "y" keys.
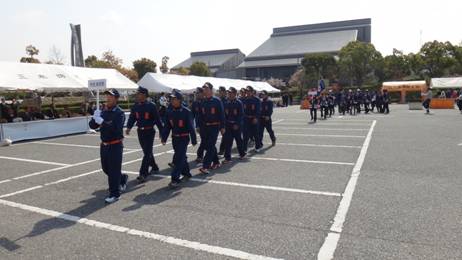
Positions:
{"x": 56, "y": 56}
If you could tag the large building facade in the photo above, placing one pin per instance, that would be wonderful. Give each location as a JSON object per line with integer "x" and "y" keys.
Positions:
{"x": 281, "y": 55}
{"x": 222, "y": 63}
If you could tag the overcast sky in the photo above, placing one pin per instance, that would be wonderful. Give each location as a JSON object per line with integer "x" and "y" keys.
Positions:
{"x": 153, "y": 29}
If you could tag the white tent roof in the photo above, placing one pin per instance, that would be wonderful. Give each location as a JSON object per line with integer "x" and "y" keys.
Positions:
{"x": 446, "y": 83}
{"x": 30, "y": 76}
{"x": 157, "y": 82}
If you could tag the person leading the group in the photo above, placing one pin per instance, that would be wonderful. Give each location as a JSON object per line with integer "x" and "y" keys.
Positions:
{"x": 110, "y": 122}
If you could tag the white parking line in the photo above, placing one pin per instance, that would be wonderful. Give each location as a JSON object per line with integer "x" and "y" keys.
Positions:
{"x": 316, "y": 128}
{"x": 33, "y": 161}
{"x": 330, "y": 243}
{"x": 321, "y": 123}
{"x": 460, "y": 144}
{"x": 75, "y": 145}
{"x": 278, "y": 121}
{"x": 315, "y": 135}
{"x": 288, "y": 160}
{"x": 138, "y": 233}
{"x": 21, "y": 191}
{"x": 320, "y": 145}
{"x": 263, "y": 187}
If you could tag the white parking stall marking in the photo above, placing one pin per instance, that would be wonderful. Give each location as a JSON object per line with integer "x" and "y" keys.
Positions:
{"x": 263, "y": 187}
{"x": 460, "y": 144}
{"x": 278, "y": 121}
{"x": 161, "y": 238}
{"x": 287, "y": 160}
{"x": 319, "y": 145}
{"x": 330, "y": 243}
{"x": 321, "y": 123}
{"x": 21, "y": 191}
{"x": 74, "y": 145}
{"x": 33, "y": 161}
{"x": 315, "y": 135}
{"x": 316, "y": 128}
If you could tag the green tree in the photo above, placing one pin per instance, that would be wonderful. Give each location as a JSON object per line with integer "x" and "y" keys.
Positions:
{"x": 143, "y": 66}
{"x": 438, "y": 58}
{"x": 109, "y": 60}
{"x": 358, "y": 61}
{"x": 164, "y": 66}
{"x": 396, "y": 66}
{"x": 31, "y": 51}
{"x": 199, "y": 68}
{"x": 319, "y": 65}
{"x": 93, "y": 62}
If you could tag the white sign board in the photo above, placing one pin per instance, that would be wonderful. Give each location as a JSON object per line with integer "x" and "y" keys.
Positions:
{"x": 97, "y": 84}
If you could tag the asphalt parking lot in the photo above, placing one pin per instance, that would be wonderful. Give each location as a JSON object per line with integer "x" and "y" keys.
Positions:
{"x": 350, "y": 187}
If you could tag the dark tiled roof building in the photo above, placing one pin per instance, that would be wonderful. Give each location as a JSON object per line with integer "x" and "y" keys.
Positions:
{"x": 222, "y": 63}
{"x": 281, "y": 54}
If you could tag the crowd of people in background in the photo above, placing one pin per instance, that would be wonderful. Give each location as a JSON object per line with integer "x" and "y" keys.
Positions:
{"x": 350, "y": 102}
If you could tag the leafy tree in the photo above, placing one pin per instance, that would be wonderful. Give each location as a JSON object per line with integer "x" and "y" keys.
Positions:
{"x": 143, "y": 66}
{"x": 31, "y": 51}
{"x": 129, "y": 73}
{"x": 438, "y": 58}
{"x": 199, "y": 68}
{"x": 93, "y": 62}
{"x": 164, "y": 66}
{"x": 396, "y": 66}
{"x": 319, "y": 65}
{"x": 358, "y": 61}
{"x": 111, "y": 59}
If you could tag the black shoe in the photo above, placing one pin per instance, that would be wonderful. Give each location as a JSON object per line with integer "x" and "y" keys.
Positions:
{"x": 171, "y": 165}
{"x": 155, "y": 168}
{"x": 273, "y": 143}
{"x": 141, "y": 179}
{"x": 221, "y": 153}
{"x": 153, "y": 171}
{"x": 186, "y": 177}
{"x": 174, "y": 185}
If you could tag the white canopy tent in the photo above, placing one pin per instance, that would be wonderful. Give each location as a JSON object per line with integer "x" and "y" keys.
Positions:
{"x": 157, "y": 82}
{"x": 52, "y": 78}
{"x": 446, "y": 83}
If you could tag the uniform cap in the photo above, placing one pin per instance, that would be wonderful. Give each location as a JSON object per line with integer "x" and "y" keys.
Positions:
{"x": 113, "y": 92}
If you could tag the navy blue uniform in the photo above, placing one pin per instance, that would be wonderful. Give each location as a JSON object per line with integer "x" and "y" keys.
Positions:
{"x": 314, "y": 108}
{"x": 386, "y": 101}
{"x": 196, "y": 109}
{"x": 234, "y": 113}
{"x": 367, "y": 101}
{"x": 112, "y": 147}
{"x": 222, "y": 144}
{"x": 179, "y": 122}
{"x": 265, "y": 120}
{"x": 212, "y": 119}
{"x": 145, "y": 115}
{"x": 324, "y": 103}
{"x": 252, "y": 112}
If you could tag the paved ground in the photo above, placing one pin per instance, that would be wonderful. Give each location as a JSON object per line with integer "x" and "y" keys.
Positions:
{"x": 363, "y": 187}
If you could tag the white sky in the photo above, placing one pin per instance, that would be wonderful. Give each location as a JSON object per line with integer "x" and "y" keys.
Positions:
{"x": 153, "y": 29}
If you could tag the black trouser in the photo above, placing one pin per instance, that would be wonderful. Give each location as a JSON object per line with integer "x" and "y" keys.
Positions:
{"x": 232, "y": 134}
{"x": 180, "y": 160}
{"x": 459, "y": 104}
{"x": 111, "y": 164}
{"x": 426, "y": 104}
{"x": 372, "y": 106}
{"x": 358, "y": 108}
{"x": 268, "y": 125}
{"x": 314, "y": 113}
{"x": 324, "y": 112}
{"x": 386, "y": 109}
{"x": 366, "y": 107}
{"x": 251, "y": 131}
{"x": 210, "y": 137}
{"x": 200, "y": 150}
{"x": 222, "y": 147}
{"x": 331, "y": 110}
{"x": 146, "y": 139}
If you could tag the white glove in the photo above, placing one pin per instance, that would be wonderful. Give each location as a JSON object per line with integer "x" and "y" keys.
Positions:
{"x": 99, "y": 120}
{"x": 97, "y": 113}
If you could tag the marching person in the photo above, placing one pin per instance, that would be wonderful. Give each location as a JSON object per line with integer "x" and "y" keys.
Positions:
{"x": 145, "y": 115}
{"x": 196, "y": 108}
{"x": 314, "y": 108}
{"x": 367, "y": 101}
{"x": 459, "y": 102}
{"x": 324, "y": 105}
{"x": 265, "y": 118}
{"x": 179, "y": 122}
{"x": 222, "y": 95}
{"x": 212, "y": 120}
{"x": 331, "y": 103}
{"x": 234, "y": 113}
{"x": 252, "y": 111}
{"x": 111, "y": 122}
{"x": 386, "y": 102}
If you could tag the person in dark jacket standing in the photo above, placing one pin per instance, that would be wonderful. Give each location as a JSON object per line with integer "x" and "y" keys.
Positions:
{"x": 111, "y": 122}
{"x": 265, "y": 118}
{"x": 222, "y": 95}
{"x": 145, "y": 115}
{"x": 180, "y": 123}
{"x": 212, "y": 120}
